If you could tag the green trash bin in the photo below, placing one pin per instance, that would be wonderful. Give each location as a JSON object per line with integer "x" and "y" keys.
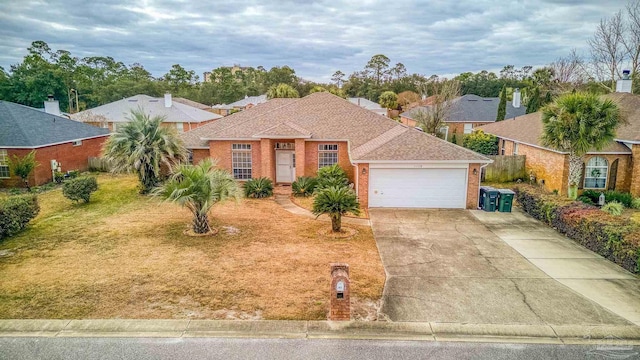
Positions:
{"x": 505, "y": 200}
{"x": 489, "y": 199}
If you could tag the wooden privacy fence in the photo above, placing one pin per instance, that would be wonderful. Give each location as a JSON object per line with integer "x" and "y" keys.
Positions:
{"x": 505, "y": 168}
{"x": 99, "y": 164}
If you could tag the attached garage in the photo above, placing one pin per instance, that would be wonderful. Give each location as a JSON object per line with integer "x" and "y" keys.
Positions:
{"x": 418, "y": 187}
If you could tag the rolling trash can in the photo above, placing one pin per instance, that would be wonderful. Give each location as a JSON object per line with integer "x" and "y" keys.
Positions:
{"x": 505, "y": 200}
{"x": 489, "y": 198}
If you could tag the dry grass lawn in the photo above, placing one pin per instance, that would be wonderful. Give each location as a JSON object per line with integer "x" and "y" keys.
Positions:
{"x": 125, "y": 256}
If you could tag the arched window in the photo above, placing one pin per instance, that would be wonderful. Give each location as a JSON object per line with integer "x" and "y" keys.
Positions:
{"x": 595, "y": 174}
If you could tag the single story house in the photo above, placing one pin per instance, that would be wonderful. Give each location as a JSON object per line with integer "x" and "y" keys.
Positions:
{"x": 467, "y": 112}
{"x": 615, "y": 167}
{"x": 182, "y": 117}
{"x": 60, "y": 143}
{"x": 242, "y": 104}
{"x": 369, "y": 105}
{"x": 194, "y": 104}
{"x": 390, "y": 164}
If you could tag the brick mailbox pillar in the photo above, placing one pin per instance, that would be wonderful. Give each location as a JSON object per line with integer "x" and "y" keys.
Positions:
{"x": 340, "y": 288}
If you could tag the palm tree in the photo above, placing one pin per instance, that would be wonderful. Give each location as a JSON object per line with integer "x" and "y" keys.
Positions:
{"x": 282, "y": 91}
{"x": 143, "y": 146}
{"x": 336, "y": 201}
{"x": 576, "y": 123}
{"x": 198, "y": 188}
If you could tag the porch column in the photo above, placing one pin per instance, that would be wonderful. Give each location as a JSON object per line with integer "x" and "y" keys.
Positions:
{"x": 300, "y": 157}
{"x": 267, "y": 155}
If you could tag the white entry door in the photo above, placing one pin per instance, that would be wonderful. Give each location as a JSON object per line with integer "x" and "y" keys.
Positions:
{"x": 285, "y": 166}
{"x": 418, "y": 188}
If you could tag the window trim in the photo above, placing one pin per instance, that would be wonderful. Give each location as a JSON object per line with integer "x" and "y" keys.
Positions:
{"x": 588, "y": 172}
{"x": 241, "y": 148}
{"x": 326, "y": 149}
{"x": 465, "y": 130}
{"x": 4, "y": 163}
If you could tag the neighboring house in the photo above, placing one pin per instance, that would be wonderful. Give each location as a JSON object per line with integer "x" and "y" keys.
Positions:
{"x": 390, "y": 165}
{"x": 182, "y": 117}
{"x": 616, "y": 167}
{"x": 425, "y": 101}
{"x": 469, "y": 111}
{"x": 194, "y": 104}
{"x": 54, "y": 138}
{"x": 242, "y": 104}
{"x": 369, "y": 105}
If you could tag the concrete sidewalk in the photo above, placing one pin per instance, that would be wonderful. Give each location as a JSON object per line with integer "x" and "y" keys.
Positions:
{"x": 425, "y": 331}
{"x": 287, "y": 204}
{"x": 581, "y": 270}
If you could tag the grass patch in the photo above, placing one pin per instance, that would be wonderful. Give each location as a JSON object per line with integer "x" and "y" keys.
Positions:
{"x": 124, "y": 255}
{"x": 307, "y": 203}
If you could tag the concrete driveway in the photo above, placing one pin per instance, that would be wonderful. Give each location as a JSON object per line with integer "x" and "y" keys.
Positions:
{"x": 447, "y": 266}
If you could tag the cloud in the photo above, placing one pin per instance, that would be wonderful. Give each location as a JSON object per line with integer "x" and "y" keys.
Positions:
{"x": 316, "y": 38}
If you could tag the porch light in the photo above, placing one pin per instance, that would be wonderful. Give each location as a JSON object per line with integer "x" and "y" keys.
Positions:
{"x": 475, "y": 171}
{"x": 364, "y": 171}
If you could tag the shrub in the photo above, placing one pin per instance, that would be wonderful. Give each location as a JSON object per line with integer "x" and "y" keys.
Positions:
{"x": 614, "y": 208}
{"x": 592, "y": 194}
{"x": 635, "y": 203}
{"x": 620, "y": 197}
{"x": 586, "y": 200}
{"x": 304, "y": 186}
{"x": 16, "y": 212}
{"x": 331, "y": 176}
{"x": 482, "y": 143}
{"x": 80, "y": 188}
{"x": 258, "y": 188}
{"x": 614, "y": 237}
{"x": 336, "y": 201}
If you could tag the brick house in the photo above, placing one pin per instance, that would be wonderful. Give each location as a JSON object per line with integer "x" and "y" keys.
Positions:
{"x": 468, "y": 112}
{"x": 615, "y": 167}
{"x": 24, "y": 129}
{"x": 176, "y": 114}
{"x": 390, "y": 165}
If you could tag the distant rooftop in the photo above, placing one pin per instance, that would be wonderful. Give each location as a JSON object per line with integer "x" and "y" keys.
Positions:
{"x": 474, "y": 108}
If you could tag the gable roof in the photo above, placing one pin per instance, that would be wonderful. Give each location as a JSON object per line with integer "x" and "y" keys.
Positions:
{"x": 630, "y": 106}
{"x": 323, "y": 116}
{"x": 119, "y": 111}
{"x": 192, "y": 103}
{"x": 473, "y": 108}
{"x": 528, "y": 129}
{"x": 25, "y": 127}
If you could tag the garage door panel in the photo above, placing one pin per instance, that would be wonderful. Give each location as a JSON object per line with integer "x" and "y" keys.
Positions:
{"x": 421, "y": 188}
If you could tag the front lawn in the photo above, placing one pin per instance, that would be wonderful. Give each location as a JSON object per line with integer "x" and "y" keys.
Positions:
{"x": 124, "y": 255}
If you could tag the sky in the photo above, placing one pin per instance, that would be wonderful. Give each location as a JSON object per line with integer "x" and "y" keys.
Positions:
{"x": 315, "y": 38}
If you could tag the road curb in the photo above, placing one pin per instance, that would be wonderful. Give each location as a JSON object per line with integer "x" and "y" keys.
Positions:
{"x": 422, "y": 331}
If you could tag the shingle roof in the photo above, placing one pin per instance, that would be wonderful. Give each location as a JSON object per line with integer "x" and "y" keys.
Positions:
{"x": 327, "y": 117}
{"x": 120, "y": 111}
{"x": 527, "y": 129}
{"x": 255, "y": 100}
{"x": 630, "y": 106}
{"x": 192, "y": 103}
{"x": 22, "y": 126}
{"x": 473, "y": 108}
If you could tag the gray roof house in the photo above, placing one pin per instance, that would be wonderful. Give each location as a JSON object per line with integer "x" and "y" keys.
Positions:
{"x": 369, "y": 105}
{"x": 182, "y": 116}
{"x": 473, "y": 108}
{"x": 60, "y": 143}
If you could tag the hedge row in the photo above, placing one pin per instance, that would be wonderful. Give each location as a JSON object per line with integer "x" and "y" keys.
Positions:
{"x": 16, "y": 212}
{"x": 615, "y": 238}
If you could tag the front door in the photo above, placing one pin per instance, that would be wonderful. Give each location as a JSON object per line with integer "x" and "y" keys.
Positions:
{"x": 285, "y": 166}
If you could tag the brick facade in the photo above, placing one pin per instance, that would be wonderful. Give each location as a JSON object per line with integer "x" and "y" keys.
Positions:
{"x": 363, "y": 185}
{"x": 473, "y": 186}
{"x": 69, "y": 156}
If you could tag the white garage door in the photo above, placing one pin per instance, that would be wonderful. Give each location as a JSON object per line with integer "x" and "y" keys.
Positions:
{"x": 418, "y": 188}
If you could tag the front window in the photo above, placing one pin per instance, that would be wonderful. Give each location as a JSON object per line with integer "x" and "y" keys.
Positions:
{"x": 241, "y": 161}
{"x": 468, "y": 128}
{"x": 504, "y": 143}
{"x": 180, "y": 127}
{"x": 595, "y": 174}
{"x": 190, "y": 156}
{"x": 327, "y": 155}
{"x": 515, "y": 149}
{"x": 4, "y": 164}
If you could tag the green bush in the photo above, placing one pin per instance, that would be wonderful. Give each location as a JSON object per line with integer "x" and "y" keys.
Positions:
{"x": 304, "y": 186}
{"x": 586, "y": 200}
{"x": 16, "y": 212}
{"x": 614, "y": 208}
{"x": 622, "y": 197}
{"x": 635, "y": 203}
{"x": 258, "y": 188}
{"x": 329, "y": 176}
{"x": 80, "y": 188}
{"x": 614, "y": 237}
{"x": 482, "y": 143}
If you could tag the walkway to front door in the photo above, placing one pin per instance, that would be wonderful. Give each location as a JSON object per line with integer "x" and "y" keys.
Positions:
{"x": 285, "y": 166}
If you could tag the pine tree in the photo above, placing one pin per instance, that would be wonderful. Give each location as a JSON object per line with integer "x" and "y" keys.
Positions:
{"x": 502, "y": 107}
{"x": 534, "y": 102}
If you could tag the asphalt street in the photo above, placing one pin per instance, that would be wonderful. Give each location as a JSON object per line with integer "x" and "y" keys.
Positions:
{"x": 283, "y": 349}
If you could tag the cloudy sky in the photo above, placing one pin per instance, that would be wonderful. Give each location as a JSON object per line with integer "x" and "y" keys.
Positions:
{"x": 316, "y": 38}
